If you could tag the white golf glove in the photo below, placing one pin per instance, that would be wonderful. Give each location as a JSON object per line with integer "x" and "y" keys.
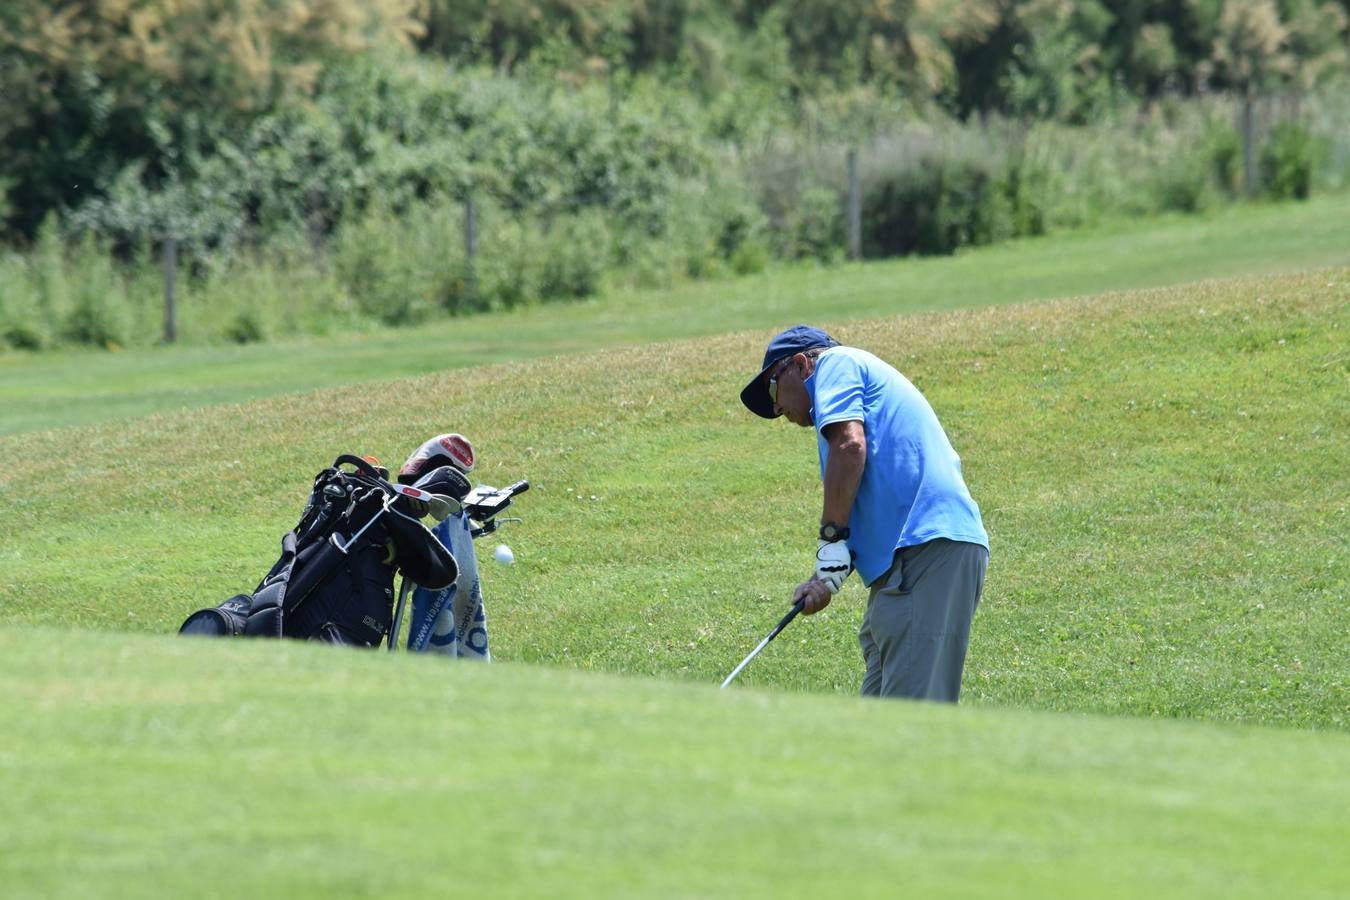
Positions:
{"x": 833, "y": 563}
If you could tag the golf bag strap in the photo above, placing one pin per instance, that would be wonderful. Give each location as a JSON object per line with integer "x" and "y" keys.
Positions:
{"x": 265, "y": 612}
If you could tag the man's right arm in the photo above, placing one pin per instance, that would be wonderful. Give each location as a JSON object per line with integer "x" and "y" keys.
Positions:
{"x": 844, "y": 463}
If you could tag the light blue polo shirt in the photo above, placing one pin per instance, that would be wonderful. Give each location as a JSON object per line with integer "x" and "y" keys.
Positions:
{"x": 912, "y": 490}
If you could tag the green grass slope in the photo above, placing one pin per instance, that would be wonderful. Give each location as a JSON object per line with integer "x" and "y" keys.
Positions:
{"x": 137, "y": 766}
{"x": 84, "y": 388}
{"x": 1163, "y": 475}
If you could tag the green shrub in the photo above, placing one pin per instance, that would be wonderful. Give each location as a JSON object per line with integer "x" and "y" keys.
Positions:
{"x": 749, "y": 258}
{"x": 300, "y": 291}
{"x": 687, "y": 244}
{"x": 366, "y": 259}
{"x": 48, "y": 273}
{"x": 652, "y": 264}
{"x": 899, "y": 213}
{"x": 815, "y": 226}
{"x": 246, "y": 327}
{"x": 1287, "y": 162}
{"x": 575, "y": 257}
{"x": 458, "y": 291}
{"x": 1223, "y": 151}
{"x": 1024, "y": 193}
{"x": 142, "y": 275}
{"x": 400, "y": 268}
{"x": 257, "y": 296}
{"x": 935, "y": 206}
{"x": 974, "y": 210}
{"x": 21, "y": 321}
{"x": 1182, "y": 185}
{"x": 98, "y": 315}
{"x": 6, "y": 207}
{"x": 733, "y": 227}
{"x": 508, "y": 266}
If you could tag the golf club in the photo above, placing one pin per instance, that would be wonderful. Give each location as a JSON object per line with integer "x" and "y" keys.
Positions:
{"x": 438, "y": 506}
{"x": 482, "y": 505}
{"x": 792, "y": 613}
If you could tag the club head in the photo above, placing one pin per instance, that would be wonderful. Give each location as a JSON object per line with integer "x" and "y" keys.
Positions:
{"x": 438, "y": 506}
{"x": 442, "y": 507}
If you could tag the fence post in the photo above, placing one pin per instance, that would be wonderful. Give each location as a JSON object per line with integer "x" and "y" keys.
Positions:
{"x": 471, "y": 244}
{"x": 170, "y": 259}
{"x": 854, "y": 207}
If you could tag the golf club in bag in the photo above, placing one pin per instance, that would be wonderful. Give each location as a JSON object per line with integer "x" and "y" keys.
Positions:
{"x": 334, "y": 580}
{"x": 451, "y": 620}
{"x": 783, "y": 623}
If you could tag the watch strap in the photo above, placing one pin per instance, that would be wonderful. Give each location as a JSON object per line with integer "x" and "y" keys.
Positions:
{"x": 833, "y": 531}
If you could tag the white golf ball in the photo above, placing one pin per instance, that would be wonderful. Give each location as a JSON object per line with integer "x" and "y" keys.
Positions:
{"x": 504, "y": 555}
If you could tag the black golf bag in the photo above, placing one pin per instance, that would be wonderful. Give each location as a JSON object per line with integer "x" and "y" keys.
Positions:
{"x": 334, "y": 581}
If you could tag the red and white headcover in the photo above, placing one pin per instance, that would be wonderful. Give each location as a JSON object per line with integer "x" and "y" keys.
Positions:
{"x": 443, "y": 450}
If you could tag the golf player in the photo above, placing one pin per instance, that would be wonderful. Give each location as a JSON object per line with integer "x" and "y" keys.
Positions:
{"x": 895, "y": 507}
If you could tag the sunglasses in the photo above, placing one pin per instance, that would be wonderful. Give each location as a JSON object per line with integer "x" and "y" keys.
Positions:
{"x": 773, "y": 380}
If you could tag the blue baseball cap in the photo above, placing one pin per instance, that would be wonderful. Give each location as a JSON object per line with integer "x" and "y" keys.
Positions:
{"x": 797, "y": 339}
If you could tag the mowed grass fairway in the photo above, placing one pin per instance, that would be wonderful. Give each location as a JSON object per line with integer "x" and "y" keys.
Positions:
{"x": 1163, "y": 475}
{"x": 138, "y": 767}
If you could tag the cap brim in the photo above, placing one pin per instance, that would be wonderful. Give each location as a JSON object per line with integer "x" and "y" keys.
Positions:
{"x": 755, "y": 396}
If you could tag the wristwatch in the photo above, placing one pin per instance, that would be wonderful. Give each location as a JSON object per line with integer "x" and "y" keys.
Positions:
{"x": 832, "y": 531}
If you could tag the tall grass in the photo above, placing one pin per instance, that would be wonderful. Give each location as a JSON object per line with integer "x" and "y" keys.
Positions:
{"x": 68, "y": 388}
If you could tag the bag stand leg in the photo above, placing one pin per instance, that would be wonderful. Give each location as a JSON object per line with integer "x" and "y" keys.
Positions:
{"x": 404, "y": 588}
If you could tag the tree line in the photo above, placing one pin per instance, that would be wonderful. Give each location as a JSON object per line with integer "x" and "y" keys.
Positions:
{"x": 661, "y": 136}
{"x": 88, "y": 88}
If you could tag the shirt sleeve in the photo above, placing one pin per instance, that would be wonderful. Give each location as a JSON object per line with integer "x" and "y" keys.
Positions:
{"x": 839, "y": 390}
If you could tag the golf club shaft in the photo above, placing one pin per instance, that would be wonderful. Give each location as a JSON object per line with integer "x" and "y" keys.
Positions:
{"x": 796, "y": 608}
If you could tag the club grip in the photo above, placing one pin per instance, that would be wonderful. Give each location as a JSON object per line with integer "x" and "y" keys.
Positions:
{"x": 791, "y": 614}
{"x": 365, "y": 468}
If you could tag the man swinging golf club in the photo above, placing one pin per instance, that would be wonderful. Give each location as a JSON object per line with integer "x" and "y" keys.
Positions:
{"x": 895, "y": 506}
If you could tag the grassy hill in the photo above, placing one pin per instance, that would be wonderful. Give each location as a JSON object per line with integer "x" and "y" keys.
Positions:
{"x": 1162, "y": 475}
{"x": 138, "y": 766}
